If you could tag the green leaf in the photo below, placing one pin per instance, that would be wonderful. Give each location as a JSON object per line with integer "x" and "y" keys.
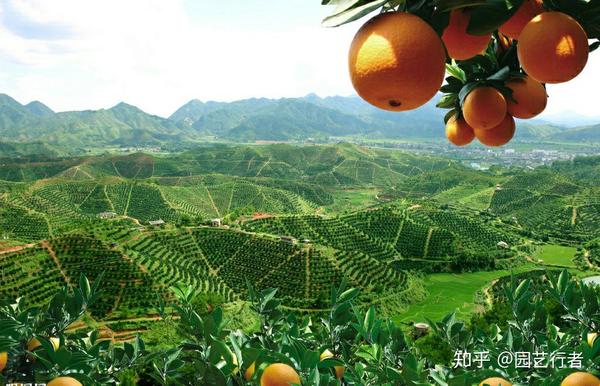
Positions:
{"x": 448, "y": 5}
{"x": 487, "y": 17}
{"x": 466, "y": 90}
{"x": 456, "y": 72}
{"x": 448, "y": 101}
{"x": 449, "y": 115}
{"x": 353, "y": 12}
{"x": 501, "y": 75}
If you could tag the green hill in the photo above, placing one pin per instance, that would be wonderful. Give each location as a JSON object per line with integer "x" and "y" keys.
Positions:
{"x": 248, "y": 120}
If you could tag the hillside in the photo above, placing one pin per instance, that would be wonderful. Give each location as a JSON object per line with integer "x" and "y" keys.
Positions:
{"x": 249, "y": 120}
{"x": 303, "y": 219}
{"x": 123, "y": 124}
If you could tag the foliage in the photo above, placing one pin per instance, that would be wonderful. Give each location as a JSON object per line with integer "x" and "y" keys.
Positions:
{"x": 374, "y": 351}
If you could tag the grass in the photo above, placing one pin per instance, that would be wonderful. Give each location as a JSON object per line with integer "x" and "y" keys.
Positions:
{"x": 352, "y": 199}
{"x": 553, "y": 254}
{"x": 449, "y": 292}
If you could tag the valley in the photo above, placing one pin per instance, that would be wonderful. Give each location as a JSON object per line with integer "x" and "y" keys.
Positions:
{"x": 403, "y": 227}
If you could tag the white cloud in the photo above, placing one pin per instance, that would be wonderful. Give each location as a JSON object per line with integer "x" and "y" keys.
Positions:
{"x": 158, "y": 54}
{"x": 150, "y": 53}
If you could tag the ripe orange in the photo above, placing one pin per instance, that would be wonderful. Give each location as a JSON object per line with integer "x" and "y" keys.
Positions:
{"x": 460, "y": 44}
{"x": 396, "y": 61}
{"x": 530, "y": 96}
{"x": 339, "y": 370}
{"x": 64, "y": 381}
{"x": 553, "y": 48}
{"x": 495, "y": 381}
{"x": 34, "y": 343}
{"x": 527, "y": 11}
{"x": 499, "y": 135}
{"x": 484, "y": 108}
{"x": 279, "y": 374}
{"x": 580, "y": 379}
{"x": 459, "y": 132}
{"x": 249, "y": 373}
{"x": 3, "y": 360}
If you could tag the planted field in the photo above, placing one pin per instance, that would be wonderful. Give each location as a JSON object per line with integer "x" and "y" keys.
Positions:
{"x": 220, "y": 261}
{"x": 17, "y": 223}
{"x": 30, "y": 271}
{"x": 449, "y": 292}
{"x": 399, "y": 233}
{"x": 556, "y": 255}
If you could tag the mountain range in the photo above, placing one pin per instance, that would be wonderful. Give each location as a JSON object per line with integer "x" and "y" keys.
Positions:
{"x": 248, "y": 120}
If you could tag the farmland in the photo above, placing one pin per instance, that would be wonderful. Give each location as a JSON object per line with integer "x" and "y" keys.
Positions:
{"x": 405, "y": 229}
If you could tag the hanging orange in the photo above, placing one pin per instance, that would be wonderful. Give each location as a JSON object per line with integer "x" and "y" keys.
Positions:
{"x": 529, "y": 96}
{"x": 527, "y": 11}
{"x": 459, "y": 132}
{"x": 397, "y": 61}
{"x": 460, "y": 44}
{"x": 484, "y": 108}
{"x": 553, "y": 48}
{"x": 499, "y": 135}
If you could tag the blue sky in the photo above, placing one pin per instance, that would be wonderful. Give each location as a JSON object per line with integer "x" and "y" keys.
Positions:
{"x": 157, "y": 54}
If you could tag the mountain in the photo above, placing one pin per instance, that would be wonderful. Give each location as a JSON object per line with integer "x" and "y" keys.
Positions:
{"x": 310, "y": 116}
{"x": 39, "y": 109}
{"x": 580, "y": 134}
{"x": 536, "y": 132}
{"x": 285, "y": 119}
{"x": 194, "y": 110}
{"x": 292, "y": 119}
{"x": 14, "y": 114}
{"x": 122, "y": 124}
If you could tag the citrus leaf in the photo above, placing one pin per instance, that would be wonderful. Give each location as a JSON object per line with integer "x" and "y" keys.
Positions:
{"x": 456, "y": 72}
{"x": 466, "y": 90}
{"x": 486, "y": 18}
{"x": 447, "y": 102}
{"x": 502, "y": 74}
{"x": 448, "y": 5}
{"x": 354, "y": 12}
{"x": 449, "y": 115}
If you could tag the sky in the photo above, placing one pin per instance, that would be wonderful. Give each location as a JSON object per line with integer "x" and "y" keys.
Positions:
{"x": 159, "y": 54}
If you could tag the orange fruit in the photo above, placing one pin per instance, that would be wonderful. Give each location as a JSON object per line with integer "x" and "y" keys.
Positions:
{"x": 249, "y": 373}
{"x": 499, "y": 135}
{"x": 3, "y": 360}
{"x": 553, "y": 48}
{"x": 279, "y": 374}
{"x": 527, "y": 11}
{"x": 64, "y": 381}
{"x": 495, "y": 381}
{"x": 504, "y": 43}
{"x": 396, "y": 61}
{"x": 530, "y": 96}
{"x": 34, "y": 343}
{"x": 580, "y": 379}
{"x": 484, "y": 108}
{"x": 339, "y": 370}
{"x": 460, "y": 44}
{"x": 459, "y": 132}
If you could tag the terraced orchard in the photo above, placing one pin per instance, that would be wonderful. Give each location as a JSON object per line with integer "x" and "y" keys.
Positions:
{"x": 57, "y": 206}
{"x": 549, "y": 204}
{"x": 140, "y": 266}
{"x": 404, "y": 235}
